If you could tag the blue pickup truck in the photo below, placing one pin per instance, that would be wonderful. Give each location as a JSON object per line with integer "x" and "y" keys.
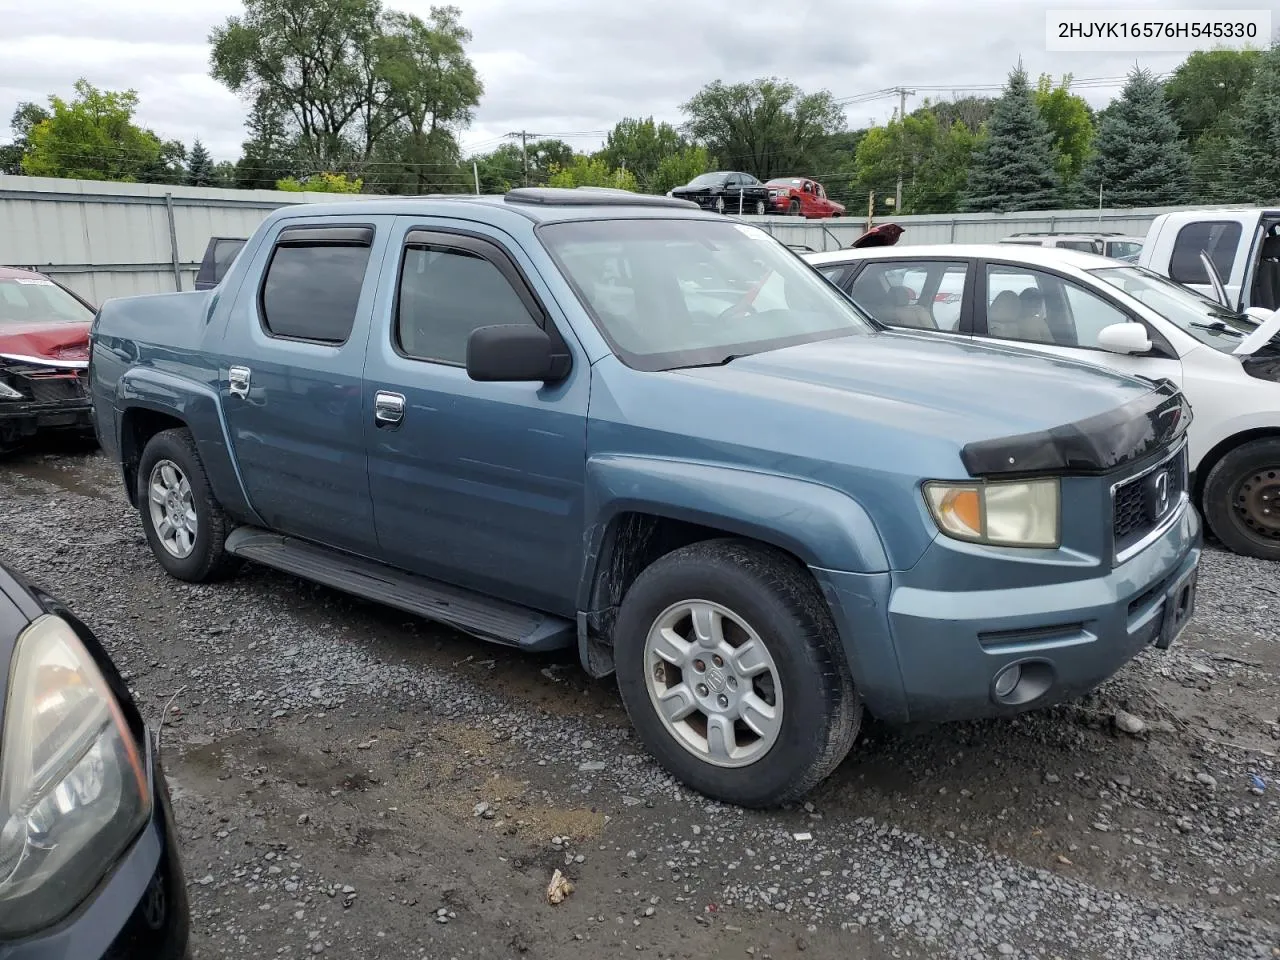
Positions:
{"x": 603, "y": 421}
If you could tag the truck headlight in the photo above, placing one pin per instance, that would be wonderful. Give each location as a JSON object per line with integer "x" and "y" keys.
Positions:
{"x": 1008, "y": 514}
{"x": 73, "y": 791}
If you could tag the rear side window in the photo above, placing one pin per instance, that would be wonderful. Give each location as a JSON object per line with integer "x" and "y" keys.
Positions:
{"x": 1085, "y": 246}
{"x": 447, "y": 292}
{"x": 1219, "y": 238}
{"x": 313, "y": 283}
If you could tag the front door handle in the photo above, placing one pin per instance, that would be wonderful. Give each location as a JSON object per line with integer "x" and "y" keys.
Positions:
{"x": 238, "y": 381}
{"x": 388, "y": 408}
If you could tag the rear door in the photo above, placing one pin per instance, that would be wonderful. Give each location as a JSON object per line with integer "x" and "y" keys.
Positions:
{"x": 292, "y": 367}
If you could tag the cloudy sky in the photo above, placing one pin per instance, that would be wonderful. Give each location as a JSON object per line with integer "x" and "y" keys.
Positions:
{"x": 572, "y": 68}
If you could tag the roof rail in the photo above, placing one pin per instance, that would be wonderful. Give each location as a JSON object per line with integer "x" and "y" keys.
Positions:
{"x": 591, "y": 197}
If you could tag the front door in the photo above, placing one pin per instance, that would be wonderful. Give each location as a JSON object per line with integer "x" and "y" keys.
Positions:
{"x": 475, "y": 484}
{"x": 293, "y": 358}
{"x": 1051, "y": 313}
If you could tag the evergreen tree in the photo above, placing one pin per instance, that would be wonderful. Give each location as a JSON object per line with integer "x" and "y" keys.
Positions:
{"x": 199, "y": 166}
{"x": 1139, "y": 158}
{"x": 1250, "y": 166}
{"x": 1013, "y": 167}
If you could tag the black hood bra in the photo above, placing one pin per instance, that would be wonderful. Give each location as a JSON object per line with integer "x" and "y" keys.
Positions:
{"x": 1094, "y": 445}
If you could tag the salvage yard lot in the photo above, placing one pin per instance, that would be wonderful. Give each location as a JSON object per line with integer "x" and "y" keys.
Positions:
{"x": 352, "y": 784}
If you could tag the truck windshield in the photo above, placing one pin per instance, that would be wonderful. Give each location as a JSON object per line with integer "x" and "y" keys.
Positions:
{"x": 684, "y": 292}
{"x": 1199, "y": 316}
{"x": 38, "y": 300}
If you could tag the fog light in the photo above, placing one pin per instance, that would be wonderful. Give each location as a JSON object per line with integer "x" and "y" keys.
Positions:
{"x": 1007, "y": 679}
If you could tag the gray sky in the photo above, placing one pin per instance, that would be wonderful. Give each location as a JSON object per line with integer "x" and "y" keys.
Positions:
{"x": 574, "y": 67}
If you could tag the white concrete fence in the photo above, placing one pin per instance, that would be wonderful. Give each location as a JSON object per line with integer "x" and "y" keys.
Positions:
{"x": 120, "y": 239}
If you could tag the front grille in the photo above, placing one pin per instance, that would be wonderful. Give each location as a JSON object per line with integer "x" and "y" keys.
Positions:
{"x": 1144, "y": 502}
{"x": 52, "y": 389}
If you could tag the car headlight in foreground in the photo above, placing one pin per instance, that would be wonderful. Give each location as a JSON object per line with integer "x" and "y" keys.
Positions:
{"x": 1013, "y": 514}
{"x": 73, "y": 790}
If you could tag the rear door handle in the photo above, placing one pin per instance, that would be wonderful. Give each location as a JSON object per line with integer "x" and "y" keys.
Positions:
{"x": 238, "y": 381}
{"x": 388, "y": 408}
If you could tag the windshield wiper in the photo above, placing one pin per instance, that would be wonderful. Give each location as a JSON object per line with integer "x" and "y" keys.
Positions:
{"x": 714, "y": 363}
{"x": 1216, "y": 326}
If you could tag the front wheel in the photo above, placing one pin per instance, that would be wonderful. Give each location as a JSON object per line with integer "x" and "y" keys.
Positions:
{"x": 794, "y": 208}
{"x": 729, "y": 667}
{"x": 719, "y": 204}
{"x": 760, "y": 208}
{"x": 1242, "y": 499}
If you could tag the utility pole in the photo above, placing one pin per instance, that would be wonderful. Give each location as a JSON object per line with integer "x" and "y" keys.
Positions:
{"x": 902, "y": 119}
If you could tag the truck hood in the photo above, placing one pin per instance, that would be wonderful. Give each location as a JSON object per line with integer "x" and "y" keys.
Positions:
{"x": 1011, "y": 411}
{"x": 55, "y": 340}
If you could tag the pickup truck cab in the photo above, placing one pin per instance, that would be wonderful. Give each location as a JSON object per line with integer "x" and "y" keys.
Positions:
{"x": 1242, "y": 247}
{"x": 594, "y": 419}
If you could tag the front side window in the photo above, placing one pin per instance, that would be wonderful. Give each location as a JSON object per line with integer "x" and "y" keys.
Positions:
{"x": 39, "y": 300}
{"x": 670, "y": 293}
{"x": 1219, "y": 238}
{"x": 445, "y": 294}
{"x": 1199, "y": 316}
{"x": 920, "y": 294}
{"x": 1033, "y": 306}
{"x": 313, "y": 283}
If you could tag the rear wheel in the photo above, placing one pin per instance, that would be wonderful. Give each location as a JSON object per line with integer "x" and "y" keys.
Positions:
{"x": 730, "y": 669}
{"x": 185, "y": 526}
{"x": 1242, "y": 499}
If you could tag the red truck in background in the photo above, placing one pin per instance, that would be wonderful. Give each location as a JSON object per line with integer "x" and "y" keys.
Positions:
{"x": 802, "y": 197}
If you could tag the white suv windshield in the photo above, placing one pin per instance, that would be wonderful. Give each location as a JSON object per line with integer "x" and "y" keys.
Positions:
{"x": 1199, "y": 316}
{"x": 685, "y": 292}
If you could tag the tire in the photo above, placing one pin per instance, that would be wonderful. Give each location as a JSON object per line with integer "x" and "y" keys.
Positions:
{"x": 1236, "y": 493}
{"x": 206, "y": 559}
{"x": 820, "y": 711}
{"x": 793, "y": 210}
{"x": 719, "y": 204}
{"x": 760, "y": 208}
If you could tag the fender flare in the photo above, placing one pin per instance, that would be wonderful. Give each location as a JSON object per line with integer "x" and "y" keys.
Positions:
{"x": 198, "y": 406}
{"x": 821, "y": 526}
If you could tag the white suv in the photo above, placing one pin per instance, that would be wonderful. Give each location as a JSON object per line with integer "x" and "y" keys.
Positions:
{"x": 1113, "y": 245}
{"x": 1114, "y": 314}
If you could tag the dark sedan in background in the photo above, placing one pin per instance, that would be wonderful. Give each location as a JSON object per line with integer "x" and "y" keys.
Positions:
{"x": 89, "y": 867}
{"x": 44, "y": 356}
{"x": 726, "y": 192}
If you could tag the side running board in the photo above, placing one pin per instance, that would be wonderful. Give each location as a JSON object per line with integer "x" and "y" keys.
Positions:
{"x": 472, "y": 613}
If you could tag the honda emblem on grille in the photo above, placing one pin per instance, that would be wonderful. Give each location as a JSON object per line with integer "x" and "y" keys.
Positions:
{"x": 1162, "y": 492}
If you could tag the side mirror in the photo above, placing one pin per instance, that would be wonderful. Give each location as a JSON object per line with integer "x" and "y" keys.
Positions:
{"x": 1124, "y": 338}
{"x": 515, "y": 352}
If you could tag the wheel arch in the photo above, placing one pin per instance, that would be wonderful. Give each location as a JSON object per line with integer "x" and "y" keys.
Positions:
{"x": 1215, "y": 454}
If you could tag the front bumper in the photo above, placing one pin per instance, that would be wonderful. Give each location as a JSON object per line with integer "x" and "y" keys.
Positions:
{"x": 930, "y": 654}
{"x": 22, "y": 418}
{"x": 139, "y": 910}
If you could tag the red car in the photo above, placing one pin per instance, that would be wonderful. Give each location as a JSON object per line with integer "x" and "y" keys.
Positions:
{"x": 802, "y": 197}
{"x": 44, "y": 357}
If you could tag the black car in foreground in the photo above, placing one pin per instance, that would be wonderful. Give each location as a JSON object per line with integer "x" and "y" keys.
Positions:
{"x": 89, "y": 866}
{"x": 726, "y": 192}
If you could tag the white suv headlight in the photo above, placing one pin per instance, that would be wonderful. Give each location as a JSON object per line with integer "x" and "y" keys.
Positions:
{"x": 73, "y": 791}
{"x": 1007, "y": 514}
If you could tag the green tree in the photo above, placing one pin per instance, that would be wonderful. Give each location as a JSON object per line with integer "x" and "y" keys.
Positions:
{"x": 591, "y": 172}
{"x": 504, "y": 167}
{"x": 433, "y": 87}
{"x": 26, "y": 116}
{"x": 270, "y": 154}
{"x": 321, "y": 183}
{"x": 169, "y": 166}
{"x": 1207, "y": 86}
{"x": 677, "y": 169}
{"x": 972, "y": 111}
{"x": 1070, "y": 121}
{"x": 934, "y": 161}
{"x": 224, "y": 174}
{"x": 1250, "y": 166}
{"x": 199, "y": 166}
{"x": 1139, "y": 158}
{"x": 91, "y": 137}
{"x": 641, "y": 146}
{"x": 767, "y": 128}
{"x": 1013, "y": 166}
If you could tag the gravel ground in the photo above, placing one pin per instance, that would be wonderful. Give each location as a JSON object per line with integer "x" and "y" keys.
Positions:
{"x": 350, "y": 784}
